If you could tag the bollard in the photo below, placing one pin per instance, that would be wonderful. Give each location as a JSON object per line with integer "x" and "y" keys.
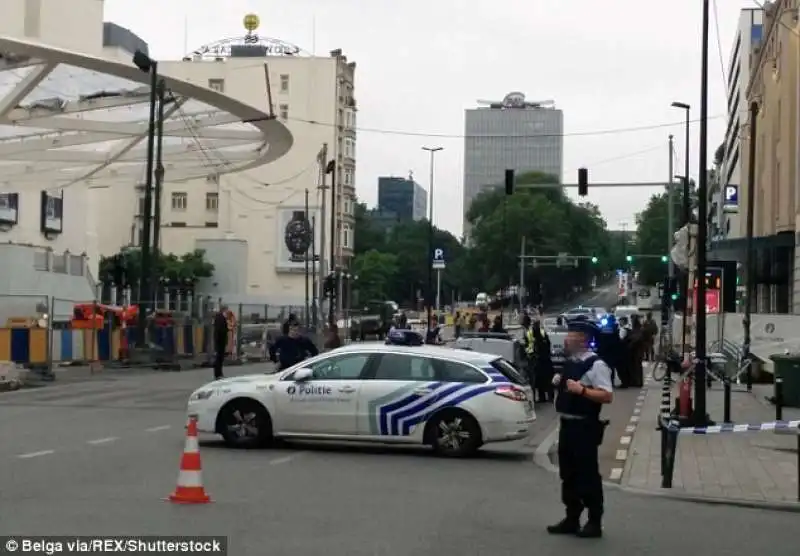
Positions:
{"x": 726, "y": 385}
{"x": 668, "y": 454}
{"x": 779, "y": 399}
{"x": 749, "y": 374}
{"x": 663, "y": 428}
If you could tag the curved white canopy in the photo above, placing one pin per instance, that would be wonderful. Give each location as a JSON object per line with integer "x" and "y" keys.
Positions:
{"x": 67, "y": 118}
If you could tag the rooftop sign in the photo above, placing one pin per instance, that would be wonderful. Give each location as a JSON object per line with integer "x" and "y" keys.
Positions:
{"x": 251, "y": 44}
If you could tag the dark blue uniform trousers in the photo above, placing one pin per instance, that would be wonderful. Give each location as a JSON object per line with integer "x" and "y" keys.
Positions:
{"x": 579, "y": 468}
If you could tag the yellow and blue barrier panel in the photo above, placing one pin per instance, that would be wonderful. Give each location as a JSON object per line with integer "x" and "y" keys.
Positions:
{"x": 30, "y": 345}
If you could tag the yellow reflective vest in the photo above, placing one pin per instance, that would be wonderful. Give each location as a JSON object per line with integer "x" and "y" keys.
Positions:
{"x": 530, "y": 344}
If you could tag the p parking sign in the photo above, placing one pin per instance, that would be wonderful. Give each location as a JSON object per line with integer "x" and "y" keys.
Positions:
{"x": 438, "y": 259}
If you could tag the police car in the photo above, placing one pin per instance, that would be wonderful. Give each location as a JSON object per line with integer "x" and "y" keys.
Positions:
{"x": 452, "y": 400}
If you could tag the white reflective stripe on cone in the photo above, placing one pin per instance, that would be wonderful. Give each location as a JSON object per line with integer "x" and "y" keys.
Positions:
{"x": 190, "y": 479}
{"x": 191, "y": 446}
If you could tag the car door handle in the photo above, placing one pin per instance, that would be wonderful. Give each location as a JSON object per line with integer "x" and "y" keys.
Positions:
{"x": 422, "y": 391}
{"x": 347, "y": 389}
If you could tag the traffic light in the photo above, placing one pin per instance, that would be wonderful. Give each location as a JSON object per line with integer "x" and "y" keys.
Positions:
{"x": 509, "y": 182}
{"x": 629, "y": 258}
{"x": 583, "y": 182}
{"x": 594, "y": 260}
{"x": 664, "y": 259}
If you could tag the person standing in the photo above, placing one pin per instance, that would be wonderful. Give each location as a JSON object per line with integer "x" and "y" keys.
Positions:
{"x": 220, "y": 330}
{"x": 292, "y": 348}
{"x": 544, "y": 364}
{"x": 583, "y": 386}
{"x": 529, "y": 345}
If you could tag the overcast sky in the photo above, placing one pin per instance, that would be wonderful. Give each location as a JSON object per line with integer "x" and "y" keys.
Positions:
{"x": 611, "y": 65}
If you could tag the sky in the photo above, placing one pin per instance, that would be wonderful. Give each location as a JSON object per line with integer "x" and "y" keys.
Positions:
{"x": 610, "y": 66}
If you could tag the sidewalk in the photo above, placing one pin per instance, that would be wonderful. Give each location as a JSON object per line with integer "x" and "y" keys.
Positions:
{"x": 750, "y": 466}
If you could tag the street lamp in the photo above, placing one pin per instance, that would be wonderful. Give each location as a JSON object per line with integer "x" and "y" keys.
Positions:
{"x": 429, "y": 256}
{"x": 686, "y": 204}
{"x": 150, "y": 66}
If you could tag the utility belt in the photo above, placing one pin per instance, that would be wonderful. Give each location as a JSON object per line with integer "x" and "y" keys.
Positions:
{"x": 595, "y": 427}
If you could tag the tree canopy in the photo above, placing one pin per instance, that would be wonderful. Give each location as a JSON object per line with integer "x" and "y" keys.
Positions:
{"x": 125, "y": 268}
{"x": 652, "y": 233}
{"x": 397, "y": 261}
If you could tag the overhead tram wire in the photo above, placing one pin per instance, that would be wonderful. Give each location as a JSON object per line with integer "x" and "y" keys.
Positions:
{"x": 719, "y": 49}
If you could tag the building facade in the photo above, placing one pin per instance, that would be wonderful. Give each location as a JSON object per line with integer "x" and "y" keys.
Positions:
{"x": 403, "y": 197}
{"x": 510, "y": 134}
{"x": 774, "y": 86}
{"x": 263, "y": 208}
{"x": 724, "y": 216}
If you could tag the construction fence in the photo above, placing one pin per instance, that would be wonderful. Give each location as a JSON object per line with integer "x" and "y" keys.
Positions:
{"x": 42, "y": 331}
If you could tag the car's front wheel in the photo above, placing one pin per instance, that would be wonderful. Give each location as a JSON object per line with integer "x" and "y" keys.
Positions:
{"x": 454, "y": 433}
{"x": 245, "y": 424}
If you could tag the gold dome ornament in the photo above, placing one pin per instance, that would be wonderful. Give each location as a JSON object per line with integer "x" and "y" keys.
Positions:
{"x": 251, "y": 22}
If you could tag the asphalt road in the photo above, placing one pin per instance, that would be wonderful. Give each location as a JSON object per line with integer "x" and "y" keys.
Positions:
{"x": 99, "y": 457}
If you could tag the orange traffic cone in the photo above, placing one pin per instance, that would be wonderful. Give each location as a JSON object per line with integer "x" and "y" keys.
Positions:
{"x": 190, "y": 478}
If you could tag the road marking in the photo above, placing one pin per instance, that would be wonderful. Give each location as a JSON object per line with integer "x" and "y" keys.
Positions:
{"x": 625, "y": 440}
{"x": 279, "y": 461}
{"x": 622, "y": 455}
{"x": 637, "y": 410}
{"x": 634, "y": 418}
{"x": 158, "y": 428}
{"x": 630, "y": 428}
{"x": 616, "y": 474}
{"x": 36, "y": 454}
{"x": 106, "y": 440}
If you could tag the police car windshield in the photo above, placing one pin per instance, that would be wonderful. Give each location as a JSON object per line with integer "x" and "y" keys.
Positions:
{"x": 507, "y": 370}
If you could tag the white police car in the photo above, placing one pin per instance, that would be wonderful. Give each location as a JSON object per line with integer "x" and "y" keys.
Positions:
{"x": 452, "y": 400}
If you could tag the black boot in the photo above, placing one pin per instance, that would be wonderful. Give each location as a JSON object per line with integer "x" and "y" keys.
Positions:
{"x": 592, "y": 530}
{"x": 567, "y": 526}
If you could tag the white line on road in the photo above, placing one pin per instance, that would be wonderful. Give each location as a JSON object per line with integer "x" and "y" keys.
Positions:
{"x": 634, "y": 418}
{"x": 622, "y": 455}
{"x": 625, "y": 440}
{"x": 36, "y": 454}
{"x": 98, "y": 441}
{"x": 630, "y": 428}
{"x": 636, "y": 410}
{"x": 287, "y": 459}
{"x": 159, "y": 428}
{"x": 616, "y": 474}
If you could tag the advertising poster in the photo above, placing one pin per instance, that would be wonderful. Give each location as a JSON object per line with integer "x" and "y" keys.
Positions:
{"x": 294, "y": 239}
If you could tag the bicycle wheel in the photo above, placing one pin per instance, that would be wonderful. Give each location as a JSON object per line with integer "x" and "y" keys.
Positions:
{"x": 659, "y": 371}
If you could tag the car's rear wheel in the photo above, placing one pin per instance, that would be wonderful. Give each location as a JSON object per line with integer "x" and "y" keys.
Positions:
{"x": 453, "y": 433}
{"x": 245, "y": 424}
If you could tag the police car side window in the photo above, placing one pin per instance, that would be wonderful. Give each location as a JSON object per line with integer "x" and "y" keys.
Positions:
{"x": 450, "y": 371}
{"x": 393, "y": 366}
{"x": 343, "y": 367}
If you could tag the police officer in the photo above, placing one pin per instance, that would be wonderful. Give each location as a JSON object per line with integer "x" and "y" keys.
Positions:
{"x": 584, "y": 386}
{"x": 529, "y": 343}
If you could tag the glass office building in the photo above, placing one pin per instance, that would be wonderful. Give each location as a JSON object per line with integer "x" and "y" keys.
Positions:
{"x": 402, "y": 197}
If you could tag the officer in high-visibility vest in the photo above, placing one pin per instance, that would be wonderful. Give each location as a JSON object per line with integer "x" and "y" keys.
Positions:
{"x": 530, "y": 347}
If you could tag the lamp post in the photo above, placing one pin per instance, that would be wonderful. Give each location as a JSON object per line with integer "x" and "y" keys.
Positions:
{"x": 700, "y": 415}
{"x": 687, "y": 207}
{"x": 150, "y": 66}
{"x": 429, "y": 255}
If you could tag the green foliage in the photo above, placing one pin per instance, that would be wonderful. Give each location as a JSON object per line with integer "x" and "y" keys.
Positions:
{"x": 652, "y": 233}
{"x": 549, "y": 221}
{"x": 125, "y": 268}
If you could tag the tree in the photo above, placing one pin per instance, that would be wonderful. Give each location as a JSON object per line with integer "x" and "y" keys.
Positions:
{"x": 652, "y": 233}
{"x": 551, "y": 224}
{"x": 125, "y": 268}
{"x": 376, "y": 273}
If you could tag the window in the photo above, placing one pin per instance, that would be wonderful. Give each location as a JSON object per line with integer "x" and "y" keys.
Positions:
{"x": 346, "y": 236}
{"x": 283, "y": 111}
{"x": 404, "y": 367}
{"x": 341, "y": 117}
{"x": 141, "y": 206}
{"x": 348, "y": 176}
{"x": 180, "y": 200}
{"x": 212, "y": 202}
{"x": 509, "y": 371}
{"x": 284, "y": 83}
{"x": 459, "y": 372}
{"x": 346, "y": 209}
{"x": 343, "y": 367}
{"x": 217, "y": 85}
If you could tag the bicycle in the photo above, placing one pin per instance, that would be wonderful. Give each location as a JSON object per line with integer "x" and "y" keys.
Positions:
{"x": 715, "y": 360}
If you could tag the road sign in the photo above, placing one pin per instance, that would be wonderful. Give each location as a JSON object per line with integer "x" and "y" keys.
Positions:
{"x": 438, "y": 259}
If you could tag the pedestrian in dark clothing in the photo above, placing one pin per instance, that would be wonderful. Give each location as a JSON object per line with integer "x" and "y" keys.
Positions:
{"x": 433, "y": 334}
{"x": 292, "y": 348}
{"x": 543, "y": 364}
{"x": 332, "y": 339}
{"x": 497, "y": 326}
{"x": 220, "y": 340}
{"x": 636, "y": 352}
{"x": 289, "y": 322}
{"x": 651, "y": 335}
